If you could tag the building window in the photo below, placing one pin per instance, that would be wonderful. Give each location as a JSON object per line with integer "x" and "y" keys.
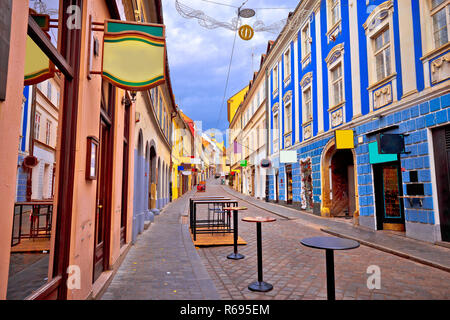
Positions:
{"x": 335, "y": 12}
{"x": 306, "y": 41}
{"x": 287, "y": 118}
{"x": 287, "y": 64}
{"x": 275, "y": 80}
{"x": 382, "y": 54}
{"x": 307, "y": 104}
{"x": 37, "y": 125}
{"x": 48, "y": 132}
{"x": 49, "y": 90}
{"x": 440, "y": 13}
{"x": 275, "y": 132}
{"x": 337, "y": 83}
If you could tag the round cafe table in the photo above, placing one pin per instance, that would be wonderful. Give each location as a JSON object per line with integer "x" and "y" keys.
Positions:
{"x": 329, "y": 244}
{"x": 259, "y": 285}
{"x": 235, "y": 255}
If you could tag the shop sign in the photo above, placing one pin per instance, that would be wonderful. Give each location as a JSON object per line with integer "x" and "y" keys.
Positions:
{"x": 288, "y": 156}
{"x": 344, "y": 139}
{"x": 134, "y": 55}
{"x": 376, "y": 157}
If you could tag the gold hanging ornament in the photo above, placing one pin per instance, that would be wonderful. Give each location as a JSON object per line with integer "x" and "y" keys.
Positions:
{"x": 246, "y": 32}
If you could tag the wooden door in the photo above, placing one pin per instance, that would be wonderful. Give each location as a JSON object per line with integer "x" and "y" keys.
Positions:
{"x": 104, "y": 182}
{"x": 124, "y": 205}
{"x": 441, "y": 145}
{"x": 388, "y": 188}
{"x": 289, "y": 193}
{"x": 102, "y": 203}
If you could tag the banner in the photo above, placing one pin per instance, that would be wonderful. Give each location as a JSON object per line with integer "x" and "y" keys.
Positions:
{"x": 134, "y": 55}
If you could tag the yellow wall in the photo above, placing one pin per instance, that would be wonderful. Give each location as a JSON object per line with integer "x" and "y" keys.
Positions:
{"x": 234, "y": 102}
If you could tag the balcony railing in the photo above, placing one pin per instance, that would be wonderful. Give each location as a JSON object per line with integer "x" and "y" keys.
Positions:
{"x": 32, "y": 220}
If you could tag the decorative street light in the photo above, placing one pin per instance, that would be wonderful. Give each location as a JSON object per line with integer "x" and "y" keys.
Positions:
{"x": 246, "y": 13}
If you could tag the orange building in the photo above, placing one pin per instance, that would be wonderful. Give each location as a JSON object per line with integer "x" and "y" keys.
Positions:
{"x": 90, "y": 221}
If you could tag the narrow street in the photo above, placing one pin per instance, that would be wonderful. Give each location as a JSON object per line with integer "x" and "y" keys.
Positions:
{"x": 163, "y": 264}
{"x": 225, "y": 151}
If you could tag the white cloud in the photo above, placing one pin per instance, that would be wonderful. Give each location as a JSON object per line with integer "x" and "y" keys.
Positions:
{"x": 199, "y": 57}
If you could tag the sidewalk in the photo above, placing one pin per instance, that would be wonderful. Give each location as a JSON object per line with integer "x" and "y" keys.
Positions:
{"x": 418, "y": 251}
{"x": 163, "y": 264}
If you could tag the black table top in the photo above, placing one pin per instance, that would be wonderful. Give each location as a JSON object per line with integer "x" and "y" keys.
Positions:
{"x": 333, "y": 243}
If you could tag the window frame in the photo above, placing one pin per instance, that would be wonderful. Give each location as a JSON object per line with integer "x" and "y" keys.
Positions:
{"x": 48, "y": 128}
{"x": 445, "y": 5}
{"x": 332, "y": 5}
{"x": 287, "y": 65}
{"x": 338, "y": 64}
{"x": 37, "y": 125}
{"x": 307, "y": 119}
{"x": 275, "y": 80}
{"x": 306, "y": 40}
{"x": 382, "y": 50}
{"x": 287, "y": 124}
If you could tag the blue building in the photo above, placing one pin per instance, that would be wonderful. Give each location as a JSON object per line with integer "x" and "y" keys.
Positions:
{"x": 24, "y": 144}
{"x": 373, "y": 67}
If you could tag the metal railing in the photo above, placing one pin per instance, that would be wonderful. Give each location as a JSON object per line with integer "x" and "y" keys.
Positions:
{"x": 31, "y": 220}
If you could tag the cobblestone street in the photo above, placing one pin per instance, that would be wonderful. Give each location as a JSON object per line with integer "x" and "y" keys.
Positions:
{"x": 163, "y": 265}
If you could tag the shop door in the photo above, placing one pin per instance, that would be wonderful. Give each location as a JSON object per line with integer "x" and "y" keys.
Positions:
{"x": 289, "y": 195}
{"x": 104, "y": 183}
{"x": 388, "y": 188}
{"x": 123, "y": 218}
{"x": 102, "y": 203}
{"x": 441, "y": 144}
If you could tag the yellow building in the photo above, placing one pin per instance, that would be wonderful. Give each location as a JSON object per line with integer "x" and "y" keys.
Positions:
{"x": 234, "y": 102}
{"x": 182, "y": 151}
{"x": 235, "y": 140}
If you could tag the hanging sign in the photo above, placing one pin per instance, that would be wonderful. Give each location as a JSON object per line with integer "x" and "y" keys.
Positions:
{"x": 265, "y": 163}
{"x": 243, "y": 163}
{"x": 134, "y": 55}
{"x": 246, "y": 32}
{"x": 288, "y": 156}
{"x": 344, "y": 139}
{"x": 180, "y": 168}
{"x": 38, "y": 66}
{"x": 391, "y": 143}
{"x": 376, "y": 157}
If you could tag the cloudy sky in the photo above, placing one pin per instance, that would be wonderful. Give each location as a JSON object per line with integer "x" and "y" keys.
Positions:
{"x": 199, "y": 57}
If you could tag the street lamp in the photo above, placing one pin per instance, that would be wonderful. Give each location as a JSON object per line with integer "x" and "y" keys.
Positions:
{"x": 246, "y": 13}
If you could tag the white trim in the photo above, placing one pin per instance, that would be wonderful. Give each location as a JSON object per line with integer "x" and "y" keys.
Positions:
{"x": 407, "y": 49}
{"x": 296, "y": 91}
{"x": 354, "y": 52}
{"x": 320, "y": 117}
{"x": 434, "y": 190}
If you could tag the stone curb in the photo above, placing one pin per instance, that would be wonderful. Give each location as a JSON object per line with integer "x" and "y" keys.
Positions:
{"x": 364, "y": 242}
{"x": 389, "y": 250}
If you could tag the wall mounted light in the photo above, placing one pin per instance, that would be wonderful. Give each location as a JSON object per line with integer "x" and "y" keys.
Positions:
{"x": 133, "y": 96}
{"x": 377, "y": 117}
{"x": 126, "y": 99}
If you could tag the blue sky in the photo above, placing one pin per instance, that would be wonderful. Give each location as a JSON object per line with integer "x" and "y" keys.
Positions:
{"x": 199, "y": 57}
